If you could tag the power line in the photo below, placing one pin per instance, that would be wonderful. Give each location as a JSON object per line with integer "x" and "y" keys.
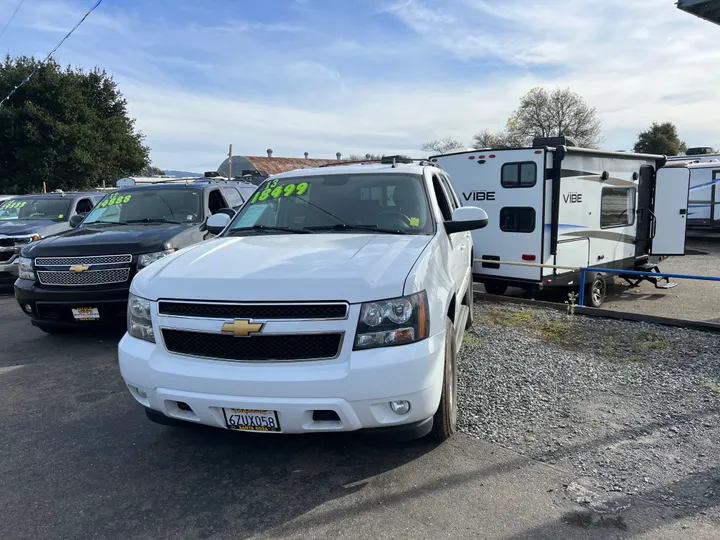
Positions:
{"x": 35, "y": 70}
{"x": 12, "y": 17}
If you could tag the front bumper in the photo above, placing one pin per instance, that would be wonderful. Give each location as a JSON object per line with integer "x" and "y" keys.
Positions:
{"x": 358, "y": 386}
{"x": 52, "y": 306}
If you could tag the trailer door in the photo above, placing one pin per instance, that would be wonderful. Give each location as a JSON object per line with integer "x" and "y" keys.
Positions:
{"x": 669, "y": 218}
{"x": 509, "y": 185}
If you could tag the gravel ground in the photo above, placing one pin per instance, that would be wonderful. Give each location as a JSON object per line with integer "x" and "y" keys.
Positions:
{"x": 632, "y": 409}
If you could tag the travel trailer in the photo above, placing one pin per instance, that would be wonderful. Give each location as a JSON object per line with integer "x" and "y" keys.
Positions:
{"x": 560, "y": 205}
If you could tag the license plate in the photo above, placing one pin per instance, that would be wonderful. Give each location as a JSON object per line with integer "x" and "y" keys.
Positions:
{"x": 252, "y": 420}
{"x": 86, "y": 314}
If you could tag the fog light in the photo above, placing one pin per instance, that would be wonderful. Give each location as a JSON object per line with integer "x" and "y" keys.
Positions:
{"x": 400, "y": 407}
{"x": 28, "y": 309}
{"x": 141, "y": 393}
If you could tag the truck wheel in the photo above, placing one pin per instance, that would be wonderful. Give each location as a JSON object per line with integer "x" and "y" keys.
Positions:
{"x": 160, "y": 418}
{"x": 495, "y": 288}
{"x": 596, "y": 291}
{"x": 53, "y": 330}
{"x": 470, "y": 299}
{"x": 445, "y": 419}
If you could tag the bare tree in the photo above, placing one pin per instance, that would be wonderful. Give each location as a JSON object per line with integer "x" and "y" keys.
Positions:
{"x": 489, "y": 139}
{"x": 544, "y": 113}
{"x": 369, "y": 157}
{"x": 440, "y": 146}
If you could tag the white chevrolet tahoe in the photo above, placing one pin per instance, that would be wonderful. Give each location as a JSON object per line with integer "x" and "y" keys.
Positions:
{"x": 335, "y": 300}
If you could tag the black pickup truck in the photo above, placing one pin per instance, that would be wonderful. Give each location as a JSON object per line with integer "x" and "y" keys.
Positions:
{"x": 81, "y": 278}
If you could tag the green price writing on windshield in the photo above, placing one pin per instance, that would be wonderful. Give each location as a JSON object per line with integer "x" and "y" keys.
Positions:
{"x": 115, "y": 199}
{"x": 12, "y": 204}
{"x": 275, "y": 191}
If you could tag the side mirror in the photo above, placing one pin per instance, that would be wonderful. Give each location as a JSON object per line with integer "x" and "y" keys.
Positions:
{"x": 76, "y": 220}
{"x": 228, "y": 211}
{"x": 467, "y": 218}
{"x": 217, "y": 223}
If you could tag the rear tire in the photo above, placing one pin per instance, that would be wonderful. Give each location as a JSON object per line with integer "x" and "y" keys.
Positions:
{"x": 53, "y": 330}
{"x": 495, "y": 288}
{"x": 160, "y": 418}
{"x": 595, "y": 292}
{"x": 445, "y": 419}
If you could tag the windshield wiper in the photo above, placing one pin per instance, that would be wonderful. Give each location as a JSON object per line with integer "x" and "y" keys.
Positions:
{"x": 152, "y": 220}
{"x": 105, "y": 223}
{"x": 269, "y": 229}
{"x": 348, "y": 227}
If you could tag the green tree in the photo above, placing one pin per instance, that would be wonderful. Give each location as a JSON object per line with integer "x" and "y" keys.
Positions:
{"x": 66, "y": 127}
{"x": 149, "y": 170}
{"x": 660, "y": 139}
{"x": 544, "y": 113}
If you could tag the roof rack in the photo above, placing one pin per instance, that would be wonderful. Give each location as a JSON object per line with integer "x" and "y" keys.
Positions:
{"x": 385, "y": 160}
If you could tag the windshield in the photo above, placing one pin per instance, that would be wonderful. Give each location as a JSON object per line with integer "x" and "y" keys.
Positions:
{"x": 35, "y": 208}
{"x": 392, "y": 203}
{"x": 167, "y": 205}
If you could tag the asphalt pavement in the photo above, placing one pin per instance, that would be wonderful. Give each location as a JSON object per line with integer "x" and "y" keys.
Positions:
{"x": 78, "y": 460}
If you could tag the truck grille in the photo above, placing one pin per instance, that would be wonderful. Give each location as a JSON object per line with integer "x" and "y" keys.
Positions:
{"x": 254, "y": 311}
{"x": 5, "y": 256}
{"x": 259, "y": 348}
{"x": 7, "y": 242}
{"x": 88, "y": 260}
{"x": 90, "y": 277}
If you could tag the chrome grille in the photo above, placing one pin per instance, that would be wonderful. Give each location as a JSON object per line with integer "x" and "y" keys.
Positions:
{"x": 91, "y": 277}
{"x": 7, "y": 242}
{"x": 5, "y": 256}
{"x": 71, "y": 261}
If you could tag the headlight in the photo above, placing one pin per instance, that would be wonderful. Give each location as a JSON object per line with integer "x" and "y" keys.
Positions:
{"x": 25, "y": 269}
{"x": 392, "y": 322}
{"x": 24, "y": 240}
{"x": 139, "y": 319}
{"x": 148, "y": 258}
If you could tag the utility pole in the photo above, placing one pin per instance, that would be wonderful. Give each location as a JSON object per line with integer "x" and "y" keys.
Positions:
{"x": 230, "y": 176}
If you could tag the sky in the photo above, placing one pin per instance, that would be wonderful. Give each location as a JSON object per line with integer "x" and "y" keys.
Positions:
{"x": 380, "y": 76}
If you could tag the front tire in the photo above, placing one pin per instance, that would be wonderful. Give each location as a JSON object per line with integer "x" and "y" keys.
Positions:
{"x": 445, "y": 419}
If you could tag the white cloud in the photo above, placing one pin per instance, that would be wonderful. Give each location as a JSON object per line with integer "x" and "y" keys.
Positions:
{"x": 457, "y": 67}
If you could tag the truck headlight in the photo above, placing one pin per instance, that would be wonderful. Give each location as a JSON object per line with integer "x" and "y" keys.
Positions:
{"x": 397, "y": 321}
{"x": 139, "y": 318}
{"x": 24, "y": 240}
{"x": 25, "y": 269}
{"x": 147, "y": 259}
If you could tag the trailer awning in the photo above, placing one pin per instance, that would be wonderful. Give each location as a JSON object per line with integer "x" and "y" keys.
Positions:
{"x": 705, "y": 9}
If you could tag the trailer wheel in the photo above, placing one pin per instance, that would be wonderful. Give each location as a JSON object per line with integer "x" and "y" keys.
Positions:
{"x": 596, "y": 291}
{"x": 495, "y": 288}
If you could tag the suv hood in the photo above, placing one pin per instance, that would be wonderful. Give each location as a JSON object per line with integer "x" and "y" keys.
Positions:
{"x": 108, "y": 240}
{"x": 312, "y": 267}
{"x": 22, "y": 227}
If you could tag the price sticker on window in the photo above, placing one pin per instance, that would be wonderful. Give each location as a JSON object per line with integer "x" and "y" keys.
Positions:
{"x": 114, "y": 199}
{"x": 275, "y": 191}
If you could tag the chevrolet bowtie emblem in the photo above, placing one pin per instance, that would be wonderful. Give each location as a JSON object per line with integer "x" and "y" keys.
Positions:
{"x": 242, "y": 327}
{"x": 79, "y": 268}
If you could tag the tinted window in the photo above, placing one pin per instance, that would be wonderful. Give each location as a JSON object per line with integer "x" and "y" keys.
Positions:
{"x": 517, "y": 219}
{"x": 518, "y": 175}
{"x": 83, "y": 206}
{"x": 617, "y": 207}
{"x": 232, "y": 196}
{"x": 166, "y": 204}
{"x": 452, "y": 198}
{"x": 35, "y": 208}
{"x": 442, "y": 199}
{"x": 388, "y": 201}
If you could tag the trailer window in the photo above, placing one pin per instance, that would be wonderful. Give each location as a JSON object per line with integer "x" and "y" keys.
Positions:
{"x": 617, "y": 207}
{"x": 517, "y": 219}
{"x": 518, "y": 175}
